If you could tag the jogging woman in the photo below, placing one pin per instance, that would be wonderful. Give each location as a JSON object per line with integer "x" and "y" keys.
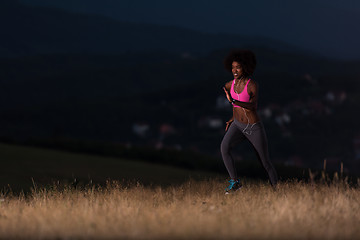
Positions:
{"x": 242, "y": 93}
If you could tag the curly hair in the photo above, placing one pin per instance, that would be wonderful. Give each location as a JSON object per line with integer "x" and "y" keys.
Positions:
{"x": 246, "y": 58}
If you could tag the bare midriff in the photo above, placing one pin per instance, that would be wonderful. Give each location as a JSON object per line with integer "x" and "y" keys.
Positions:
{"x": 242, "y": 115}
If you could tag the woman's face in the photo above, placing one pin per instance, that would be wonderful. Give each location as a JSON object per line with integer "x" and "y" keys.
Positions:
{"x": 237, "y": 70}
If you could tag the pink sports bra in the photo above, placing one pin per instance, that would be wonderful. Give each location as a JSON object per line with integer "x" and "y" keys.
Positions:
{"x": 243, "y": 96}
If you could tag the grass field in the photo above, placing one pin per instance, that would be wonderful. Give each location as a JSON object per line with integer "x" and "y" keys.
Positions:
{"x": 20, "y": 166}
{"x": 192, "y": 210}
{"x": 42, "y": 202}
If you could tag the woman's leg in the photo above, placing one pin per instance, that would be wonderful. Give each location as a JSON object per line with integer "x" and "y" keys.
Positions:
{"x": 258, "y": 139}
{"x": 231, "y": 138}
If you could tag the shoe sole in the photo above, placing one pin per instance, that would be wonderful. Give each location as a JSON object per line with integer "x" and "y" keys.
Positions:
{"x": 226, "y": 193}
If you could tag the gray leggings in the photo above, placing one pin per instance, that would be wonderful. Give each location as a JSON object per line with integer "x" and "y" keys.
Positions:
{"x": 255, "y": 133}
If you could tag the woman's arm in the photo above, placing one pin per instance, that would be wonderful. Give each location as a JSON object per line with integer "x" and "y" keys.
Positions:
{"x": 228, "y": 123}
{"x": 247, "y": 105}
{"x": 227, "y": 88}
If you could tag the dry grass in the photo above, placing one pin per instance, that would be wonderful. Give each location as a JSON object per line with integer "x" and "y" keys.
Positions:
{"x": 195, "y": 210}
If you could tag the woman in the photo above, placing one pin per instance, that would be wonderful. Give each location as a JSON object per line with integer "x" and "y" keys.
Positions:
{"x": 242, "y": 93}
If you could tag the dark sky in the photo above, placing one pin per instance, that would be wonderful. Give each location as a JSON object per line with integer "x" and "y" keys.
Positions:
{"x": 328, "y": 27}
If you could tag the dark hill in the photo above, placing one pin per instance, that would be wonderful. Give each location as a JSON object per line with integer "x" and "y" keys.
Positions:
{"x": 30, "y": 30}
{"x": 100, "y": 97}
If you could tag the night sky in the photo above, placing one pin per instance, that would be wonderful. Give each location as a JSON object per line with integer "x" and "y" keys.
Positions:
{"x": 326, "y": 27}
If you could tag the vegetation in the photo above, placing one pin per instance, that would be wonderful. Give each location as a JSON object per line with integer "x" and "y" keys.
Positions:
{"x": 21, "y": 167}
{"x": 59, "y": 195}
{"x": 192, "y": 210}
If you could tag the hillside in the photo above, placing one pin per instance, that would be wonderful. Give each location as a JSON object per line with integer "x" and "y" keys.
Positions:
{"x": 325, "y": 27}
{"x": 44, "y": 30}
{"x": 98, "y": 97}
{"x": 20, "y": 166}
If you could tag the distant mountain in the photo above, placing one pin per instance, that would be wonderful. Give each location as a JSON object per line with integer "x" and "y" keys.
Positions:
{"x": 30, "y": 30}
{"x": 326, "y": 27}
{"x": 101, "y": 97}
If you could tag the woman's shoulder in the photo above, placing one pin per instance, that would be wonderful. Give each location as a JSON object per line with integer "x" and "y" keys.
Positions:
{"x": 228, "y": 84}
{"x": 252, "y": 84}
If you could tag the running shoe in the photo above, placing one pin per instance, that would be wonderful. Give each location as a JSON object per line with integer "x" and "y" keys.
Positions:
{"x": 234, "y": 186}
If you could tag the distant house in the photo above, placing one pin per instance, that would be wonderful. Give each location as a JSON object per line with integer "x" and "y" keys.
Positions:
{"x": 166, "y": 129}
{"x": 211, "y": 122}
{"x": 222, "y": 102}
{"x": 297, "y": 105}
{"x": 266, "y": 112}
{"x": 310, "y": 79}
{"x": 336, "y": 97}
{"x": 140, "y": 129}
{"x": 317, "y": 107}
{"x": 330, "y": 96}
{"x": 282, "y": 119}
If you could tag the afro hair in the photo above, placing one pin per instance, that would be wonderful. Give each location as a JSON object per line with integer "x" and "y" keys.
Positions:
{"x": 246, "y": 58}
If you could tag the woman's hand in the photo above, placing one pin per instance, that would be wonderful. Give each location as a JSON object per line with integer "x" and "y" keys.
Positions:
{"x": 227, "y": 94}
{"x": 228, "y": 123}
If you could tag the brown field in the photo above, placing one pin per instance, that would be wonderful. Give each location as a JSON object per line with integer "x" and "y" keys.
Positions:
{"x": 193, "y": 210}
